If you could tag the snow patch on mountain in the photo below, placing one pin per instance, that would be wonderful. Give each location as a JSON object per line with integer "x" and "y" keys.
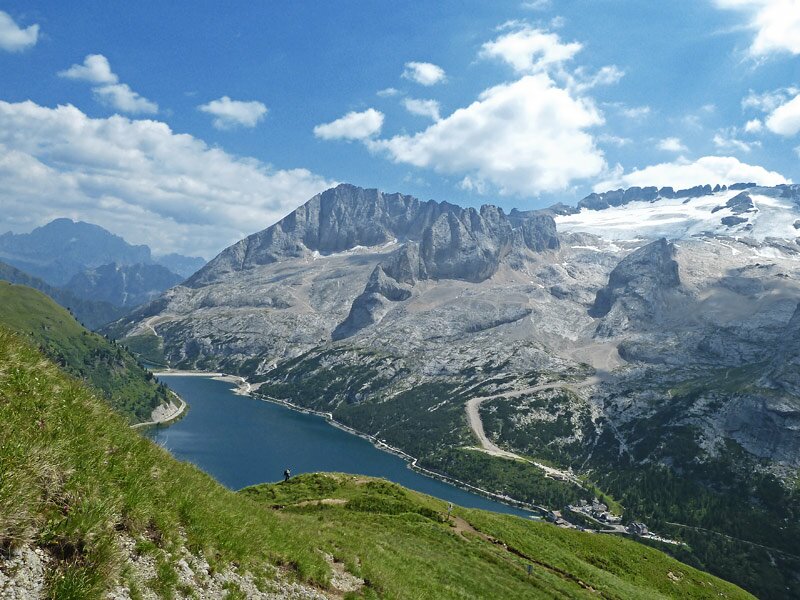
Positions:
{"x": 766, "y": 215}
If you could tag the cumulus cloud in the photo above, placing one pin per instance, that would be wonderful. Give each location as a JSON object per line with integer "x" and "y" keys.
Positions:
{"x": 423, "y": 108}
{"x": 633, "y": 113}
{"x": 726, "y": 140}
{"x": 536, "y": 4}
{"x": 97, "y": 70}
{"x": 352, "y": 126}
{"x": 608, "y": 75}
{"x": 13, "y": 38}
{"x": 769, "y": 101}
{"x": 776, "y": 24}
{"x": 671, "y": 144}
{"x": 138, "y": 179}
{"x": 524, "y": 137}
{"x": 614, "y": 140}
{"x": 682, "y": 174}
{"x": 122, "y": 97}
{"x": 424, "y": 73}
{"x": 234, "y": 113}
{"x": 530, "y": 50}
{"x": 387, "y": 92}
{"x": 753, "y": 126}
{"x": 785, "y": 119}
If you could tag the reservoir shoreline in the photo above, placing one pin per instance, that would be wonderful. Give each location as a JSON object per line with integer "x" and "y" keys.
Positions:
{"x": 245, "y": 389}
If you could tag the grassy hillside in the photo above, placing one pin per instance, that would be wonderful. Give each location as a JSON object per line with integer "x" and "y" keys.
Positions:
{"x": 100, "y": 501}
{"x": 91, "y": 313}
{"x": 109, "y": 368}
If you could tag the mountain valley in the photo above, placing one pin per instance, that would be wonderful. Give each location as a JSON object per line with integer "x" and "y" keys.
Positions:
{"x": 392, "y": 314}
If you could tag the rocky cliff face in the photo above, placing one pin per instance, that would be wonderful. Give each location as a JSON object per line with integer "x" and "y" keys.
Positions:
{"x": 336, "y": 220}
{"x": 465, "y": 245}
{"x": 637, "y": 288}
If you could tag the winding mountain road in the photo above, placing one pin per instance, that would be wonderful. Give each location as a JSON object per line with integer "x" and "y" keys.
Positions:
{"x": 474, "y": 404}
{"x": 604, "y": 359}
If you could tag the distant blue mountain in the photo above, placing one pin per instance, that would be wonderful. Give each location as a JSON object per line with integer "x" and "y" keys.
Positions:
{"x": 93, "y": 263}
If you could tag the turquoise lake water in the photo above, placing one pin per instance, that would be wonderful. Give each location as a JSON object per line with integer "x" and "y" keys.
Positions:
{"x": 242, "y": 441}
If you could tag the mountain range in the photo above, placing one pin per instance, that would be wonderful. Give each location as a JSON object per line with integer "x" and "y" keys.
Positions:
{"x": 83, "y": 265}
{"x": 642, "y": 335}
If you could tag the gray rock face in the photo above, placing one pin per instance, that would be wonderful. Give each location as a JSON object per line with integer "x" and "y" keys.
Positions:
{"x": 467, "y": 245}
{"x": 636, "y": 287}
{"x": 370, "y": 307}
{"x": 785, "y": 368}
{"x": 740, "y": 203}
{"x": 600, "y": 201}
{"x": 335, "y": 220}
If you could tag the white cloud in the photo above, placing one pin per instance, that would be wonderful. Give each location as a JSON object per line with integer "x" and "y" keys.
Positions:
{"x": 671, "y": 144}
{"x": 138, "y": 179}
{"x": 424, "y": 73}
{"x": 387, "y": 92}
{"x": 608, "y": 75}
{"x": 97, "y": 70}
{"x": 634, "y": 113}
{"x": 352, "y": 126}
{"x": 776, "y": 24}
{"x": 753, "y": 126}
{"x": 769, "y": 101}
{"x": 785, "y": 119}
{"x": 682, "y": 174}
{"x": 524, "y": 137}
{"x": 423, "y": 108}
{"x": 473, "y": 185}
{"x": 536, "y": 4}
{"x": 614, "y": 140}
{"x": 122, "y": 97}
{"x": 726, "y": 140}
{"x": 530, "y": 50}
{"x": 13, "y": 38}
{"x": 234, "y": 113}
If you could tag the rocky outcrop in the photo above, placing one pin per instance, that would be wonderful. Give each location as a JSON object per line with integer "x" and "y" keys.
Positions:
{"x": 740, "y": 203}
{"x": 466, "y": 245}
{"x": 784, "y": 371}
{"x": 635, "y": 289}
{"x": 335, "y": 220}
{"x": 373, "y": 303}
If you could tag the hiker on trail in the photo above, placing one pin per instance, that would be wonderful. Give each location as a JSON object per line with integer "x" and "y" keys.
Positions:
{"x": 449, "y": 509}
{"x": 286, "y": 474}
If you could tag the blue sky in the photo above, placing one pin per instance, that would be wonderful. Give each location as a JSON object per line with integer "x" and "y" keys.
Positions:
{"x": 211, "y": 122}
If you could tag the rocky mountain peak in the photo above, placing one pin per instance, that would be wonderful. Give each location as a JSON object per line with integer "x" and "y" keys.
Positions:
{"x": 636, "y": 287}
{"x": 449, "y": 241}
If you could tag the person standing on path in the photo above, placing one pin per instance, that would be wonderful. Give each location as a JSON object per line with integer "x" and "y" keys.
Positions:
{"x": 286, "y": 474}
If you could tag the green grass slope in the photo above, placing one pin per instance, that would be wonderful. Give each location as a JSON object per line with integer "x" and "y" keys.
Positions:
{"x": 91, "y": 313}
{"x": 109, "y": 368}
{"x": 75, "y": 480}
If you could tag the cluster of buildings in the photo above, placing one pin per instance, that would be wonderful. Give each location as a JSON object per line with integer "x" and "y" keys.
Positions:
{"x": 637, "y": 528}
{"x": 597, "y": 511}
